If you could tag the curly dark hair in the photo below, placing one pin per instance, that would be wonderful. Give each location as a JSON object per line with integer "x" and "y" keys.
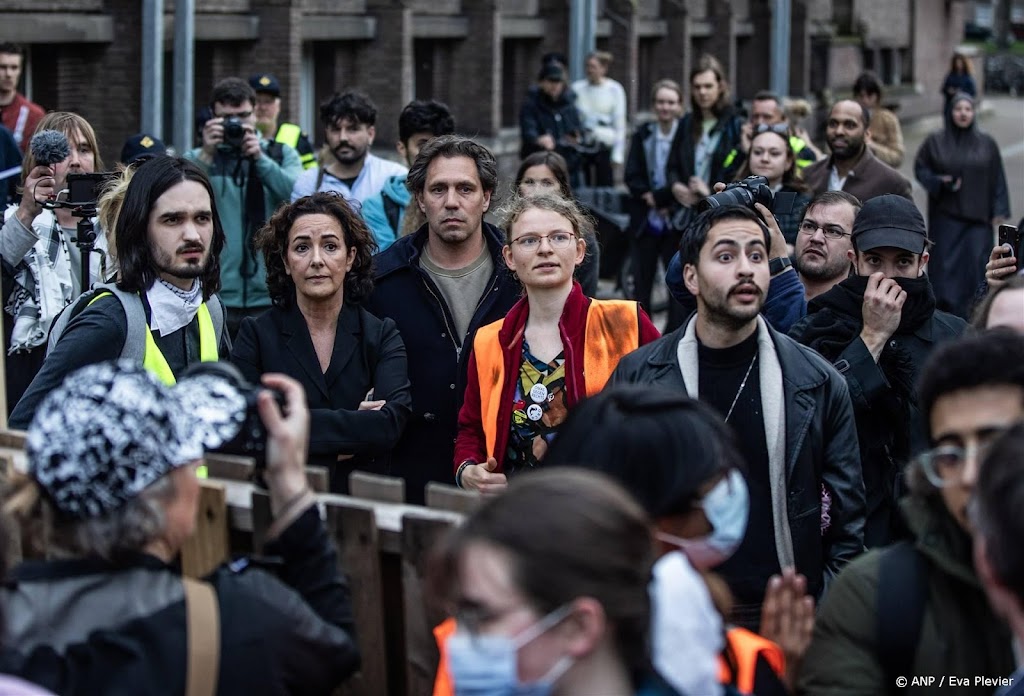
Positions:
{"x": 272, "y": 240}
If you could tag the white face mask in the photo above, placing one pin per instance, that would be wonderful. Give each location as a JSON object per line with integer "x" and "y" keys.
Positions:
{"x": 488, "y": 665}
{"x": 727, "y": 507}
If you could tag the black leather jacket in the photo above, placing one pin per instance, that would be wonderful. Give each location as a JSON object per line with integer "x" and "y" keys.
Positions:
{"x": 821, "y": 448}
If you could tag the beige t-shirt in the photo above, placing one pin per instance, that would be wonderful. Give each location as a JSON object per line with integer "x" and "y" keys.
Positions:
{"x": 461, "y": 287}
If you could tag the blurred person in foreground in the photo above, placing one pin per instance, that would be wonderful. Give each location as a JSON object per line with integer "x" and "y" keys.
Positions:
{"x": 550, "y": 598}
{"x": 997, "y": 520}
{"x": 918, "y": 608}
{"x": 700, "y": 514}
{"x": 110, "y": 499}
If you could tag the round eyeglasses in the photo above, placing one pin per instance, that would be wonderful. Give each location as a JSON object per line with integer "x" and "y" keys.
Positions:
{"x": 557, "y": 240}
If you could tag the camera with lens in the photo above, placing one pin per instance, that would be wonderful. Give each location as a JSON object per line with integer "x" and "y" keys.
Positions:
{"x": 234, "y": 134}
{"x": 227, "y": 406}
{"x": 753, "y": 189}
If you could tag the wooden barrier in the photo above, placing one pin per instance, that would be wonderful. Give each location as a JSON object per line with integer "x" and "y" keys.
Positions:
{"x": 382, "y": 543}
{"x": 442, "y": 496}
{"x": 208, "y": 547}
{"x": 386, "y": 489}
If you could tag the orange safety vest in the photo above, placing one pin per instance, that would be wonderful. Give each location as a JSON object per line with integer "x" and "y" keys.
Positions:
{"x": 443, "y": 681}
{"x": 612, "y": 331}
{"x": 746, "y": 646}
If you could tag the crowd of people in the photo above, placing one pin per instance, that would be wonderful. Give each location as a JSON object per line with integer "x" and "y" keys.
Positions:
{"x": 802, "y": 482}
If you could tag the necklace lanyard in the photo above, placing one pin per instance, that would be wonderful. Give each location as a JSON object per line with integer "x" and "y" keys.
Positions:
{"x": 740, "y": 390}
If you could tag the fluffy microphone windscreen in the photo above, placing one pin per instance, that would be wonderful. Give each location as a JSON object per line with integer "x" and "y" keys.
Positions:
{"x": 49, "y": 147}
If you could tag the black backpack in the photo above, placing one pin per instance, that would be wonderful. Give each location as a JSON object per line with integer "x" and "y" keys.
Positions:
{"x": 899, "y": 608}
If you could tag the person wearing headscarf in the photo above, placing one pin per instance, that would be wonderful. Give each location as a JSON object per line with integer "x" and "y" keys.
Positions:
{"x": 962, "y": 171}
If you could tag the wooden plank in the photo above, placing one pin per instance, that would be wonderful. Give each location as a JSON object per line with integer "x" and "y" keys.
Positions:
{"x": 208, "y": 546}
{"x": 421, "y": 614}
{"x": 319, "y": 478}
{"x": 12, "y": 438}
{"x": 229, "y": 466}
{"x": 354, "y": 529}
{"x": 386, "y": 489}
{"x": 232, "y": 467}
{"x": 442, "y": 496}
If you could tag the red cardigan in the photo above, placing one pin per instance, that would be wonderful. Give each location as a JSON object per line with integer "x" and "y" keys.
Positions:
{"x": 471, "y": 442}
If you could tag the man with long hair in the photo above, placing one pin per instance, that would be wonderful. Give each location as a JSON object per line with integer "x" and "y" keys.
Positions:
{"x": 162, "y": 312}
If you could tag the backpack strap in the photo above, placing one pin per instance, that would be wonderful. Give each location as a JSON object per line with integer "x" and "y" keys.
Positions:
{"x": 899, "y": 608}
{"x": 392, "y": 211}
{"x": 216, "y": 308}
{"x": 135, "y": 315}
{"x": 275, "y": 150}
{"x": 202, "y": 622}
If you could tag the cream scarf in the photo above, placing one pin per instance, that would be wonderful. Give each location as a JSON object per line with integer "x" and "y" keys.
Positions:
{"x": 773, "y": 409}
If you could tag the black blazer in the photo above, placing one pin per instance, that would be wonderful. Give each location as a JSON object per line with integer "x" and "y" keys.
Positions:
{"x": 368, "y": 354}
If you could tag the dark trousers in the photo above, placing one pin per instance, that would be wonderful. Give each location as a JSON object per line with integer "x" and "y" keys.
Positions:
{"x": 647, "y": 249}
{"x": 597, "y": 168}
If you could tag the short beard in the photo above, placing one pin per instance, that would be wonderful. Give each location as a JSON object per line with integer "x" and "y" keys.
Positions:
{"x": 350, "y": 160}
{"x": 828, "y": 271}
{"x": 719, "y": 314}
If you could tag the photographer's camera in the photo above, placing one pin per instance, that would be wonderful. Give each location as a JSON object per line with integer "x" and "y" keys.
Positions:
{"x": 747, "y": 192}
{"x": 234, "y": 134}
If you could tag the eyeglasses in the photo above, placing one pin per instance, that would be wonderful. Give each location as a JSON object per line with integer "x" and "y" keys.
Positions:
{"x": 241, "y": 114}
{"x": 809, "y": 227}
{"x": 780, "y": 128}
{"x": 557, "y": 240}
{"x": 943, "y": 466}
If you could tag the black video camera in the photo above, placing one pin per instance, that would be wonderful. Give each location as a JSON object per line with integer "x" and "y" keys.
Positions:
{"x": 753, "y": 189}
{"x": 84, "y": 190}
{"x": 234, "y": 134}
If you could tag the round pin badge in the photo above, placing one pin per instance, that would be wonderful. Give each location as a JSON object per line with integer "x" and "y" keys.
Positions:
{"x": 538, "y": 393}
{"x": 534, "y": 412}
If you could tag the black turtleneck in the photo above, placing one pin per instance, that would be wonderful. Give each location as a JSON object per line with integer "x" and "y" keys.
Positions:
{"x": 721, "y": 371}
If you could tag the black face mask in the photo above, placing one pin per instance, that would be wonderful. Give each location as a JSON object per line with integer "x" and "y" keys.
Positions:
{"x": 920, "y": 303}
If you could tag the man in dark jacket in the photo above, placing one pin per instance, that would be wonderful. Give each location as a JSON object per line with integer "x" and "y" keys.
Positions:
{"x": 792, "y": 408}
{"x": 916, "y": 611}
{"x": 853, "y": 167}
{"x": 877, "y": 328}
{"x": 439, "y": 285}
{"x": 549, "y": 120}
{"x": 114, "y": 453}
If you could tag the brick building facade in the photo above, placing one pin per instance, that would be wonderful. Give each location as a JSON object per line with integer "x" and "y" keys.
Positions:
{"x": 479, "y": 56}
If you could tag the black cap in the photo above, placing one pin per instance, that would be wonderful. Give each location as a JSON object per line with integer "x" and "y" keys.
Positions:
{"x": 141, "y": 146}
{"x": 890, "y": 221}
{"x": 552, "y": 72}
{"x": 266, "y": 83}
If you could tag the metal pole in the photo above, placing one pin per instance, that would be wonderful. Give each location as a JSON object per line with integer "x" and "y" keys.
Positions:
{"x": 582, "y": 35}
{"x": 153, "y": 67}
{"x": 184, "y": 77}
{"x": 781, "y": 14}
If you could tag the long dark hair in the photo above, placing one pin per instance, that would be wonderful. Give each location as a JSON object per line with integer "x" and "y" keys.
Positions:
{"x": 553, "y": 161}
{"x": 272, "y": 240}
{"x": 151, "y": 180}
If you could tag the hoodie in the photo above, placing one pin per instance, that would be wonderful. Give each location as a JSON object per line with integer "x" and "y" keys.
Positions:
{"x": 375, "y": 210}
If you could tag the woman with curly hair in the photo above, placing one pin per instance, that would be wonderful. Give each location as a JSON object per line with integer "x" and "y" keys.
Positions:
{"x": 352, "y": 364}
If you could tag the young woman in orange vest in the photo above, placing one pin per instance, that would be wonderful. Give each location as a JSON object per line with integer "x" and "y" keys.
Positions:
{"x": 554, "y": 347}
